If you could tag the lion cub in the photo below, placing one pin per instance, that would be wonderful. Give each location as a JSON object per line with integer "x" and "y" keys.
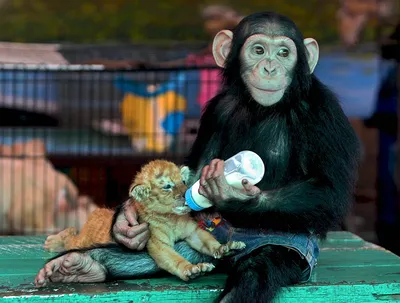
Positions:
{"x": 158, "y": 190}
{"x": 95, "y": 231}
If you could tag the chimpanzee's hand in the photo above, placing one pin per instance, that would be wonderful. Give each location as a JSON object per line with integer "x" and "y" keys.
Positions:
{"x": 213, "y": 185}
{"x": 128, "y": 231}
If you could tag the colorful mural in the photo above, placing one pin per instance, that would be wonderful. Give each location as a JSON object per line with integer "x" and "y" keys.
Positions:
{"x": 154, "y": 114}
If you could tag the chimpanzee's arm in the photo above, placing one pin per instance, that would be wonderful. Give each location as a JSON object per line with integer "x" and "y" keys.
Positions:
{"x": 317, "y": 203}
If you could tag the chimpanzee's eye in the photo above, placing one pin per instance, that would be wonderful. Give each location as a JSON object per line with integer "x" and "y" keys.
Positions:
{"x": 284, "y": 52}
{"x": 258, "y": 50}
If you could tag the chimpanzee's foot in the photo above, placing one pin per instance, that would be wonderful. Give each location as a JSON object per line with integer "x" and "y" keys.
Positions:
{"x": 71, "y": 267}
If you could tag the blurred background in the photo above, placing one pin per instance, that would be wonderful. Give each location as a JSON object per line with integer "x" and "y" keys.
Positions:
{"x": 92, "y": 89}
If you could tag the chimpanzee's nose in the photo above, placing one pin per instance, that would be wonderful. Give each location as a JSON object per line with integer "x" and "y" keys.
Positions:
{"x": 270, "y": 70}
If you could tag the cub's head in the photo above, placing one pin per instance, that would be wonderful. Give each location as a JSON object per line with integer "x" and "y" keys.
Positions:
{"x": 160, "y": 187}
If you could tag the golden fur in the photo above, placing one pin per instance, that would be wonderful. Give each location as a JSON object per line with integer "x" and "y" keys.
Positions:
{"x": 95, "y": 231}
{"x": 158, "y": 193}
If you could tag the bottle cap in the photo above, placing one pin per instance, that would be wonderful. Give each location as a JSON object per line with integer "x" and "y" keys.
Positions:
{"x": 190, "y": 201}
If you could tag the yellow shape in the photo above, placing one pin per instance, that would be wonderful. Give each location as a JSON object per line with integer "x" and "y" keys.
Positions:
{"x": 142, "y": 117}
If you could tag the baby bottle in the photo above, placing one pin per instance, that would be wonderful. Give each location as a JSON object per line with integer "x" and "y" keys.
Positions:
{"x": 244, "y": 165}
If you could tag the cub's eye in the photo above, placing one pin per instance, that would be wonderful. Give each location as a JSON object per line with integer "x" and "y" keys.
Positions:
{"x": 184, "y": 182}
{"x": 283, "y": 52}
{"x": 258, "y": 50}
{"x": 167, "y": 187}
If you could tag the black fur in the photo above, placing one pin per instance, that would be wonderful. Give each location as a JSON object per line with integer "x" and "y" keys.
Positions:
{"x": 261, "y": 274}
{"x": 311, "y": 154}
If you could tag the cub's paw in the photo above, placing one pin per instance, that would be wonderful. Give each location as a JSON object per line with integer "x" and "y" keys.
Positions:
{"x": 225, "y": 249}
{"x": 193, "y": 271}
{"x": 56, "y": 243}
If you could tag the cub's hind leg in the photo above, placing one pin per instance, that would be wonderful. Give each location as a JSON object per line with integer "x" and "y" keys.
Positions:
{"x": 205, "y": 243}
{"x": 168, "y": 259}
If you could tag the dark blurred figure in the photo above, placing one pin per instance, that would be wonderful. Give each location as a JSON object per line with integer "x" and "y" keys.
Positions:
{"x": 385, "y": 119}
{"x": 353, "y": 15}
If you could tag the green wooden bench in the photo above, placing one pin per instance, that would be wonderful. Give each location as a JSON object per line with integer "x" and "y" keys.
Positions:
{"x": 349, "y": 270}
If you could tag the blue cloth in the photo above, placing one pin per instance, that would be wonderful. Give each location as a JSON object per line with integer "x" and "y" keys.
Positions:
{"x": 306, "y": 245}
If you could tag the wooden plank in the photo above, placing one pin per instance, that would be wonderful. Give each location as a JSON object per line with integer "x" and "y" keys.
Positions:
{"x": 357, "y": 258}
{"x": 29, "y": 251}
{"x": 349, "y": 270}
{"x": 346, "y": 245}
{"x": 342, "y": 236}
{"x": 22, "y": 240}
{"x": 356, "y": 275}
{"x": 204, "y": 289}
{"x": 20, "y": 267}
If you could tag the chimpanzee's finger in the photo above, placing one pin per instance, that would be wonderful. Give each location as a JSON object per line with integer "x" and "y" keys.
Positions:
{"x": 121, "y": 227}
{"x": 204, "y": 192}
{"x": 129, "y": 243}
{"x": 211, "y": 189}
{"x": 135, "y": 231}
{"x": 132, "y": 243}
{"x": 250, "y": 189}
{"x": 219, "y": 177}
{"x": 210, "y": 184}
{"x": 142, "y": 245}
{"x": 143, "y": 238}
{"x": 130, "y": 214}
{"x": 213, "y": 166}
{"x": 219, "y": 169}
{"x": 204, "y": 173}
{"x": 139, "y": 240}
{"x": 120, "y": 238}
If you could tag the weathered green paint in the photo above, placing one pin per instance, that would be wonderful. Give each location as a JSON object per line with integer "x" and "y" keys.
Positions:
{"x": 349, "y": 270}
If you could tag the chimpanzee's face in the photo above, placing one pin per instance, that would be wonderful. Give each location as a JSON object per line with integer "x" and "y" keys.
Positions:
{"x": 267, "y": 65}
{"x": 268, "y": 59}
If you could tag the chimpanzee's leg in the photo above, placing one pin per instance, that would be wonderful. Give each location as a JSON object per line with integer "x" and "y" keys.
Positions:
{"x": 107, "y": 263}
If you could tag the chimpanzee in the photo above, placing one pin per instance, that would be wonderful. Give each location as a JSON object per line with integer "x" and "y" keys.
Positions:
{"x": 272, "y": 104}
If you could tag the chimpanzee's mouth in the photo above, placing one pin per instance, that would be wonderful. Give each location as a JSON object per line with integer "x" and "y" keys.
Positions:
{"x": 269, "y": 90}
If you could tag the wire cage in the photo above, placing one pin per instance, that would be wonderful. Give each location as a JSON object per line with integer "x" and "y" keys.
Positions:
{"x": 72, "y": 136}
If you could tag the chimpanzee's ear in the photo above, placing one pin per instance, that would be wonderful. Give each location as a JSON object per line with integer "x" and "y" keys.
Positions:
{"x": 222, "y": 46}
{"x": 139, "y": 192}
{"x": 312, "y": 52}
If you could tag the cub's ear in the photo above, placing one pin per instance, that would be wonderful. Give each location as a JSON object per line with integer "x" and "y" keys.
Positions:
{"x": 139, "y": 192}
{"x": 185, "y": 173}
